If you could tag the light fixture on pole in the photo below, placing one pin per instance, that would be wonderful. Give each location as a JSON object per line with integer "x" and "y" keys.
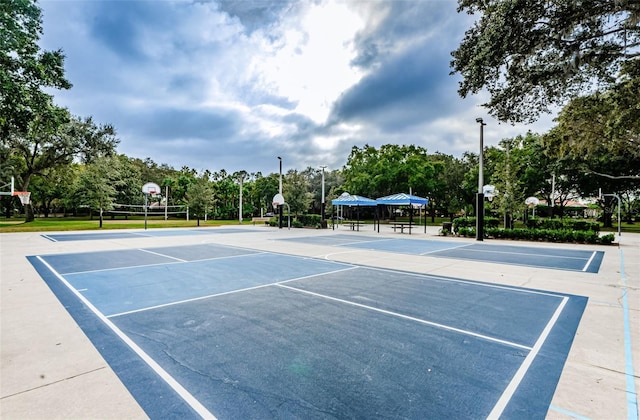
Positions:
{"x": 322, "y": 202}
{"x": 480, "y": 195}
{"x": 280, "y": 192}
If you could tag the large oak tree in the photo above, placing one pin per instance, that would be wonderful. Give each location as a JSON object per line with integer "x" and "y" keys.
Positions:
{"x": 533, "y": 54}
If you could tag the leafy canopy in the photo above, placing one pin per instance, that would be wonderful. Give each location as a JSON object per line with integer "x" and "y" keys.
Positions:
{"x": 25, "y": 70}
{"x": 530, "y": 55}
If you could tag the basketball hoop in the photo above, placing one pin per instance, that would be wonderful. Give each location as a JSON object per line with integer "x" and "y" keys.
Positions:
{"x": 24, "y": 196}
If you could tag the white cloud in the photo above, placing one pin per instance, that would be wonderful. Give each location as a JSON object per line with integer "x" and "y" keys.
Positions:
{"x": 247, "y": 81}
{"x": 309, "y": 64}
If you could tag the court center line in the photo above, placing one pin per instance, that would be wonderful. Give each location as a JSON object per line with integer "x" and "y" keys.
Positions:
{"x": 506, "y": 396}
{"x": 593, "y": 255}
{"x": 410, "y": 318}
{"x": 170, "y": 380}
{"x": 230, "y": 292}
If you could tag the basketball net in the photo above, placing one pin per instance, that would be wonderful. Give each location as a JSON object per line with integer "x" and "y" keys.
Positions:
{"x": 24, "y": 196}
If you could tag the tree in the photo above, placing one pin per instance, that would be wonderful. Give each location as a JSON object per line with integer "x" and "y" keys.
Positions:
{"x": 506, "y": 180}
{"x": 391, "y": 169}
{"x": 25, "y": 70}
{"x": 264, "y": 188}
{"x": 295, "y": 190}
{"x": 53, "y": 140}
{"x": 450, "y": 194}
{"x": 96, "y": 186}
{"x": 600, "y": 127}
{"x": 530, "y": 55}
{"x": 200, "y": 197}
{"x": 54, "y": 186}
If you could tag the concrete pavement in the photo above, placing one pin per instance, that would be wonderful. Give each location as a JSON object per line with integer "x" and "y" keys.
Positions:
{"x": 49, "y": 368}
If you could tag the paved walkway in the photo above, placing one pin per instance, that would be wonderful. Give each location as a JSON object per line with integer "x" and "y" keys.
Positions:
{"x": 49, "y": 369}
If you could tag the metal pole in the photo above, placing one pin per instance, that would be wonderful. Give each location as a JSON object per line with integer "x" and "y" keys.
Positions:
{"x": 322, "y": 203}
{"x": 280, "y": 191}
{"x": 480, "y": 196}
{"x": 280, "y": 182}
{"x": 619, "y": 206}
{"x": 240, "y": 209}
{"x": 166, "y": 201}
{"x": 145, "y": 211}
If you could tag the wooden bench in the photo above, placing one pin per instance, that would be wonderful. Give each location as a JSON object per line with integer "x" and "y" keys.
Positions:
{"x": 255, "y": 220}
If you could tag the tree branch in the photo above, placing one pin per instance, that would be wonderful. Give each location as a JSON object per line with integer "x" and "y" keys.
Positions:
{"x": 612, "y": 176}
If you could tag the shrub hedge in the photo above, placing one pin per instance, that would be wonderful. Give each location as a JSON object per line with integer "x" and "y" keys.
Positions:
{"x": 534, "y": 223}
{"x": 548, "y": 235}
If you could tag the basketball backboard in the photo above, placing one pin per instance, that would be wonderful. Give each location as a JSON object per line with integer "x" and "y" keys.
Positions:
{"x": 151, "y": 188}
{"x": 9, "y": 188}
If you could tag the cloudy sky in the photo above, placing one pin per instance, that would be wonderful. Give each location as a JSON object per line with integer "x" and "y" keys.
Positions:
{"x": 232, "y": 84}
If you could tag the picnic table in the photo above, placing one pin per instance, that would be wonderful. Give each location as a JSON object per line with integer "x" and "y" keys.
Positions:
{"x": 355, "y": 224}
{"x": 402, "y": 226}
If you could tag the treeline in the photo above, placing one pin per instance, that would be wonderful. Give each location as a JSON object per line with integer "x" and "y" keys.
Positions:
{"x": 518, "y": 168}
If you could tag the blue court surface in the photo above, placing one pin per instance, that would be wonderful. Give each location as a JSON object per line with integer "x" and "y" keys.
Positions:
{"x": 209, "y": 330}
{"x": 128, "y": 234}
{"x": 554, "y": 258}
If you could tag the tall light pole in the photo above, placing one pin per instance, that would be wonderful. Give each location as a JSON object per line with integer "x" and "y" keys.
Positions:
{"x": 280, "y": 191}
{"x": 322, "y": 202}
{"x": 480, "y": 195}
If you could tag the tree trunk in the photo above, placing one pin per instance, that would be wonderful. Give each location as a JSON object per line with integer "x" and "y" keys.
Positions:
{"x": 28, "y": 213}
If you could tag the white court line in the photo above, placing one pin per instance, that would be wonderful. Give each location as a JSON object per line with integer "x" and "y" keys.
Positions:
{"x": 422, "y": 321}
{"x": 504, "y": 399}
{"x": 170, "y": 380}
{"x": 469, "y": 282}
{"x": 589, "y": 262}
{"x": 445, "y": 249}
{"x": 374, "y": 241}
{"x": 161, "y": 255}
{"x": 326, "y": 257}
{"x": 50, "y": 238}
{"x": 161, "y": 263}
{"x": 226, "y": 293}
{"x": 524, "y": 253}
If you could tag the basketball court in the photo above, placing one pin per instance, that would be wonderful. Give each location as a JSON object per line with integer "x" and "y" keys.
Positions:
{"x": 561, "y": 259}
{"x": 277, "y": 323}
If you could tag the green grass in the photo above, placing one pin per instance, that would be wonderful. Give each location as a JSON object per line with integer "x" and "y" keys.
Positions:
{"x": 49, "y": 224}
{"x": 69, "y": 223}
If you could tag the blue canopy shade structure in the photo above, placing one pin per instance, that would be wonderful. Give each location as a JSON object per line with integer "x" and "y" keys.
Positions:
{"x": 356, "y": 201}
{"x": 402, "y": 199}
{"x": 353, "y": 200}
